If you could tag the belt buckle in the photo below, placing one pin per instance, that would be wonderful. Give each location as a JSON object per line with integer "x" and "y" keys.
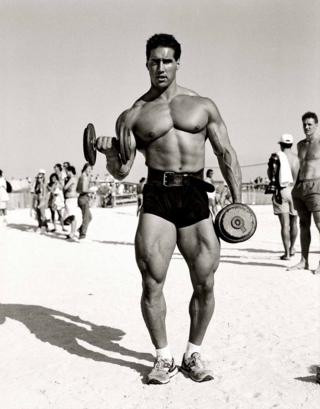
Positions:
{"x": 165, "y": 181}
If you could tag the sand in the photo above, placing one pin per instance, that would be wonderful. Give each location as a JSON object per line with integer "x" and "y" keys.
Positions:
{"x": 72, "y": 334}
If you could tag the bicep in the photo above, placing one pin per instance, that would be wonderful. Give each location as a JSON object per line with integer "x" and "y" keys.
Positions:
{"x": 217, "y": 132}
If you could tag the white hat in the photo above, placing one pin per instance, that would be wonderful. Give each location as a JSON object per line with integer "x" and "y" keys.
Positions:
{"x": 42, "y": 171}
{"x": 286, "y": 138}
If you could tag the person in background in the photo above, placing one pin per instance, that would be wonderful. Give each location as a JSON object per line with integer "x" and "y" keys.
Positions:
{"x": 282, "y": 200}
{"x": 83, "y": 189}
{"x": 140, "y": 187}
{"x": 225, "y": 197}
{"x": 64, "y": 172}
{"x": 61, "y": 175}
{"x": 4, "y": 198}
{"x": 306, "y": 191}
{"x": 56, "y": 200}
{"x": 71, "y": 202}
{"x": 40, "y": 202}
{"x": 211, "y": 195}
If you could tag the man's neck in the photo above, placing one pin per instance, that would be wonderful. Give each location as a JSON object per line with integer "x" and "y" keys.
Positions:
{"x": 166, "y": 93}
{"x": 313, "y": 137}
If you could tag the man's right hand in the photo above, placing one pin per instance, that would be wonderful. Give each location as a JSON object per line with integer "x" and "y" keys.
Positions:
{"x": 104, "y": 143}
{"x": 109, "y": 145}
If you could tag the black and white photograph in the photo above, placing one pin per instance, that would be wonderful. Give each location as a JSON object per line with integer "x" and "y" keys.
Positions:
{"x": 159, "y": 204}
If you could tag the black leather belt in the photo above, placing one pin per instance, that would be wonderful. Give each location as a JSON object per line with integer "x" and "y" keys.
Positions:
{"x": 172, "y": 179}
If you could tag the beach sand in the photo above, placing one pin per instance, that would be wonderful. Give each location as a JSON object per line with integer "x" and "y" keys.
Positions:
{"x": 72, "y": 335}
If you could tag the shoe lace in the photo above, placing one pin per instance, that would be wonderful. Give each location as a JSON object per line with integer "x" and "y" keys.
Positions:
{"x": 162, "y": 363}
{"x": 195, "y": 360}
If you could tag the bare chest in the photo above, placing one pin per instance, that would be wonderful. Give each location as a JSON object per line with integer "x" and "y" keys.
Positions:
{"x": 310, "y": 151}
{"x": 157, "y": 119}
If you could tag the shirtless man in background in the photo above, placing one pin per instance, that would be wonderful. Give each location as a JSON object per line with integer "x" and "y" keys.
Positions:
{"x": 170, "y": 124}
{"x": 284, "y": 208}
{"x": 306, "y": 192}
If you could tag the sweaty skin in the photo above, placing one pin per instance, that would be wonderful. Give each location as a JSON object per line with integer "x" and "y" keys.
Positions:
{"x": 169, "y": 125}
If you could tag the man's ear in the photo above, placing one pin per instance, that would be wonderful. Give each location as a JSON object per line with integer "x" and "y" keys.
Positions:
{"x": 178, "y": 64}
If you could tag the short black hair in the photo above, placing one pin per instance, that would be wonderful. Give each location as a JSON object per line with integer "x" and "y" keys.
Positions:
{"x": 59, "y": 166}
{"x": 71, "y": 169}
{"x": 163, "y": 40}
{"x": 51, "y": 177}
{"x": 311, "y": 115}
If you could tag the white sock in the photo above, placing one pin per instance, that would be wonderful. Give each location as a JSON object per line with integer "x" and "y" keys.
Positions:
{"x": 164, "y": 353}
{"x": 191, "y": 348}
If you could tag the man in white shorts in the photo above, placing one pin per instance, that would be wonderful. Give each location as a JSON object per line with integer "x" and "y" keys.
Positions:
{"x": 282, "y": 202}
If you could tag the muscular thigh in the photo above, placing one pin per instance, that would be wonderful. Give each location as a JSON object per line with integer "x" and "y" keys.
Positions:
{"x": 154, "y": 244}
{"x": 200, "y": 247}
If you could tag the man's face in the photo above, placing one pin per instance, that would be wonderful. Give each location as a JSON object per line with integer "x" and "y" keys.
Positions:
{"x": 162, "y": 67}
{"x": 309, "y": 127}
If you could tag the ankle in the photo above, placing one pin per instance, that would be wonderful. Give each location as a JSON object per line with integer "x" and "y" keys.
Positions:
{"x": 192, "y": 348}
{"x": 164, "y": 353}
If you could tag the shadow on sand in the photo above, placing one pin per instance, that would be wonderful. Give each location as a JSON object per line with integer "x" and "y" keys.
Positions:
{"x": 314, "y": 378}
{"x": 23, "y": 227}
{"x": 66, "y": 331}
{"x": 251, "y": 263}
{"x": 31, "y": 228}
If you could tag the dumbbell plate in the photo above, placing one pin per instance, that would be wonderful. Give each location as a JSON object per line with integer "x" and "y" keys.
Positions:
{"x": 235, "y": 223}
{"x": 89, "y": 144}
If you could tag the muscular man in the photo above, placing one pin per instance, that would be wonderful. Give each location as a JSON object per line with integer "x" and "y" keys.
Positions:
{"x": 170, "y": 125}
{"x": 282, "y": 202}
{"x": 306, "y": 192}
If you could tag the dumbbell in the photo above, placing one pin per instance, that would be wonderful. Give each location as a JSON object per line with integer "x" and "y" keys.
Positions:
{"x": 90, "y": 145}
{"x": 235, "y": 223}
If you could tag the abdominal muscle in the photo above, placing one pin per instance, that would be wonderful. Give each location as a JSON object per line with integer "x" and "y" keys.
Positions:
{"x": 177, "y": 151}
{"x": 310, "y": 169}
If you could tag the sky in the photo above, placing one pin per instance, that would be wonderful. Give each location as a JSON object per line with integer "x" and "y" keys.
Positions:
{"x": 65, "y": 63}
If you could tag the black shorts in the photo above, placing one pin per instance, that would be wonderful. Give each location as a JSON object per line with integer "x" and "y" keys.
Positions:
{"x": 180, "y": 205}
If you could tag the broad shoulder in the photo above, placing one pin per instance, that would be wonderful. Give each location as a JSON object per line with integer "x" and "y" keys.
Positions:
{"x": 302, "y": 142}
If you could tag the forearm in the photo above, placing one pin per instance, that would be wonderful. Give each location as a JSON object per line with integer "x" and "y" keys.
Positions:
{"x": 231, "y": 172}
{"x": 117, "y": 169}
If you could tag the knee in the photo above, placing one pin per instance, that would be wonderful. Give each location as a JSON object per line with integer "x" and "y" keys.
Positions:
{"x": 151, "y": 291}
{"x": 204, "y": 290}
